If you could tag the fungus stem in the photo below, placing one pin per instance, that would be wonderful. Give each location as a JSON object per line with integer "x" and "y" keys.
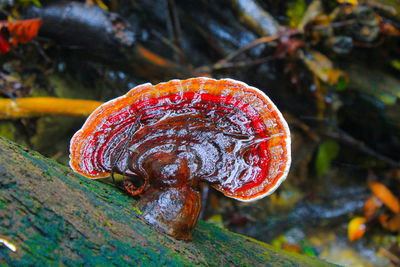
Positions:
{"x": 174, "y": 211}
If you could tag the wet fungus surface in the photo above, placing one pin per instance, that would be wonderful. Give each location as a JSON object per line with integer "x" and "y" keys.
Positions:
{"x": 175, "y": 135}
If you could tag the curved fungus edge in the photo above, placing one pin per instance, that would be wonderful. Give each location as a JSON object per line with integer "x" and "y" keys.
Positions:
{"x": 188, "y": 194}
{"x": 288, "y": 163}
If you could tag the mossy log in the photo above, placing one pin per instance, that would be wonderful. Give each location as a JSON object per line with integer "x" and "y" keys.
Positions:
{"x": 54, "y": 216}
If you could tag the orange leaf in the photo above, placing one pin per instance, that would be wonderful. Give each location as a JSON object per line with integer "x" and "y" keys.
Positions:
{"x": 394, "y": 223}
{"x": 153, "y": 58}
{"x": 371, "y": 205}
{"x": 395, "y": 173}
{"x": 384, "y": 194}
{"x": 22, "y": 31}
{"x": 390, "y": 30}
{"x": 292, "y": 248}
{"x": 356, "y": 228}
{"x": 383, "y": 219}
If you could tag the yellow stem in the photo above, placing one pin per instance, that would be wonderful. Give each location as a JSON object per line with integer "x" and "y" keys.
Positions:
{"x": 38, "y": 106}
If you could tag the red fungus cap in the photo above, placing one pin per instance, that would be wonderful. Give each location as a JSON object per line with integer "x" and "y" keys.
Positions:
{"x": 248, "y": 160}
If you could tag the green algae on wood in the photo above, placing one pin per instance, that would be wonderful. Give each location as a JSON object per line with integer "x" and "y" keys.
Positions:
{"x": 54, "y": 216}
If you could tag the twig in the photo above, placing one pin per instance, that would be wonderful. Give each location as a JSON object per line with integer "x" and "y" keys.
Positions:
{"x": 390, "y": 255}
{"x": 368, "y": 45}
{"x": 259, "y": 41}
{"x": 174, "y": 29}
{"x": 337, "y": 24}
{"x": 38, "y": 106}
{"x": 240, "y": 64}
{"x": 285, "y": 33}
{"x": 169, "y": 43}
{"x": 349, "y": 140}
{"x": 304, "y": 127}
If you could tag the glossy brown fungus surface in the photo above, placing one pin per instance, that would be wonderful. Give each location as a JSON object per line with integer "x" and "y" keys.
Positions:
{"x": 177, "y": 134}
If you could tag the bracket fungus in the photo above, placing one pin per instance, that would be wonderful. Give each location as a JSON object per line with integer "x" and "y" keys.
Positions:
{"x": 175, "y": 135}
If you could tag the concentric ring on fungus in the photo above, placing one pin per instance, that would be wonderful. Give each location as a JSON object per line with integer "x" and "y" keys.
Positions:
{"x": 219, "y": 131}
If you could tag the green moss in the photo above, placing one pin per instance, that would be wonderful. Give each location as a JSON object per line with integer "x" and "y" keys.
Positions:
{"x": 7, "y": 130}
{"x": 59, "y": 217}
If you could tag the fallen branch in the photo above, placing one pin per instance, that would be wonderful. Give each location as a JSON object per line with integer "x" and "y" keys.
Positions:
{"x": 38, "y": 106}
{"x": 50, "y": 215}
{"x": 98, "y": 33}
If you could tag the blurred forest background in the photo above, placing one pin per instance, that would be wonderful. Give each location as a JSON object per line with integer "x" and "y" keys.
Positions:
{"x": 332, "y": 67}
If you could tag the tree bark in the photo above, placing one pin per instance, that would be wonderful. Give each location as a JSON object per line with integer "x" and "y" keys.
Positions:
{"x": 54, "y": 216}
